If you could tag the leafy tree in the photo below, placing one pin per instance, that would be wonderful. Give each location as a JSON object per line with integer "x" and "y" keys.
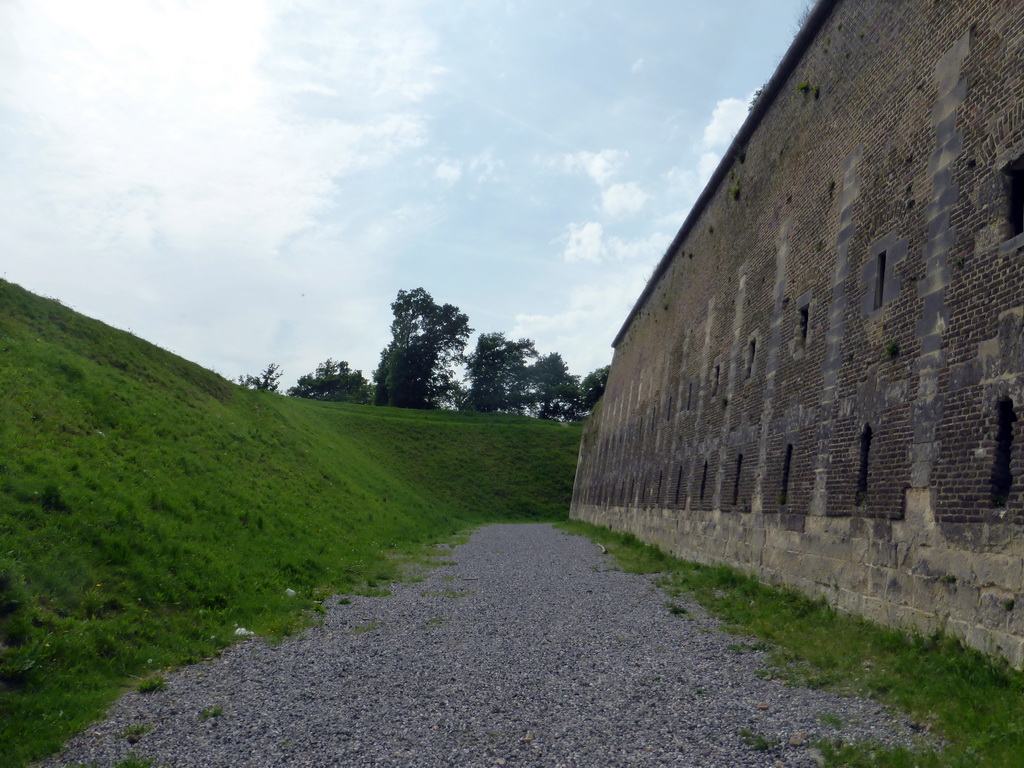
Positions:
{"x": 416, "y": 368}
{"x": 457, "y": 398}
{"x": 556, "y": 392}
{"x": 265, "y": 381}
{"x": 333, "y": 381}
{"x": 498, "y": 374}
{"x": 592, "y": 387}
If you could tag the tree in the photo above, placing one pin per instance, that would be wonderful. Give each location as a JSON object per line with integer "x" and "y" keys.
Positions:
{"x": 592, "y": 387}
{"x": 498, "y": 374}
{"x": 416, "y": 368}
{"x": 556, "y": 392}
{"x": 265, "y": 381}
{"x": 333, "y": 381}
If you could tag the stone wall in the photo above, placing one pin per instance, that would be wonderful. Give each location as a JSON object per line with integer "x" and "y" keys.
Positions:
{"x": 821, "y": 382}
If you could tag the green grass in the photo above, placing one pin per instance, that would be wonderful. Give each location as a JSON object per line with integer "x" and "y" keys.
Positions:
{"x": 138, "y": 729}
{"x": 831, "y": 719}
{"x": 148, "y": 507}
{"x": 151, "y": 685}
{"x": 758, "y": 741}
{"x": 132, "y": 761}
{"x": 675, "y": 609}
{"x": 973, "y": 701}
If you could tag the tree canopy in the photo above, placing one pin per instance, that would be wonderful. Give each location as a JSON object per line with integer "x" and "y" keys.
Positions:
{"x": 266, "y": 380}
{"x": 556, "y": 392}
{"x": 417, "y": 367}
{"x": 498, "y": 374}
{"x": 333, "y": 381}
{"x": 592, "y": 387}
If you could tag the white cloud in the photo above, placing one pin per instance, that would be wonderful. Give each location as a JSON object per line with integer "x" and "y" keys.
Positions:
{"x": 726, "y": 119}
{"x": 370, "y": 56}
{"x": 706, "y": 166}
{"x": 485, "y": 166}
{"x": 622, "y": 199}
{"x": 251, "y": 180}
{"x": 165, "y": 165}
{"x": 599, "y": 166}
{"x": 686, "y": 183}
{"x": 585, "y": 243}
{"x": 448, "y": 172}
{"x": 647, "y": 250}
{"x": 155, "y": 124}
{"x": 584, "y": 330}
{"x": 479, "y": 168}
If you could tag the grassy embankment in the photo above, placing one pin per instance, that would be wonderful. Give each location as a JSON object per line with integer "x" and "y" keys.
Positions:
{"x": 974, "y": 702}
{"x": 148, "y": 507}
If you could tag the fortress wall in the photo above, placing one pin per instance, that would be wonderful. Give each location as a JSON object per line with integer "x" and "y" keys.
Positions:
{"x": 821, "y": 383}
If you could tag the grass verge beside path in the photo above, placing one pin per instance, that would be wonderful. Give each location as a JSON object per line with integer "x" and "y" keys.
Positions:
{"x": 974, "y": 702}
{"x": 149, "y": 507}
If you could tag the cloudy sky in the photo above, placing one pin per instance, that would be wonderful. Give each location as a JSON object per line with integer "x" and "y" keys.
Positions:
{"x": 247, "y": 181}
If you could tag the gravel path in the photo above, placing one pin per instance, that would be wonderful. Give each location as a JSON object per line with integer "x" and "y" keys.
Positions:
{"x": 532, "y": 650}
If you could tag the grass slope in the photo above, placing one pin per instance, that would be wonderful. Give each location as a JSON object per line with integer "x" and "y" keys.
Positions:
{"x": 148, "y": 507}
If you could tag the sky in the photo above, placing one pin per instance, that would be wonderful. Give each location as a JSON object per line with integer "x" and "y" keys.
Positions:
{"x": 253, "y": 181}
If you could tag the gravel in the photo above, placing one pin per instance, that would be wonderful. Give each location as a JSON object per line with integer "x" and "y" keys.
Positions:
{"x": 531, "y": 650}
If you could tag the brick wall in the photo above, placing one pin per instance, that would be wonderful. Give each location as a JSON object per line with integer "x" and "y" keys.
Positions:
{"x": 822, "y": 382}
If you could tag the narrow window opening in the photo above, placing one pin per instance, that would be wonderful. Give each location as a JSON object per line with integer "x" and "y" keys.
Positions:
{"x": 880, "y": 260}
{"x": 736, "y": 483}
{"x": 689, "y": 397}
{"x": 714, "y": 380}
{"x": 679, "y": 483}
{"x": 668, "y": 414}
{"x": 704, "y": 481}
{"x": 632, "y": 487}
{"x": 804, "y": 323}
{"x": 657, "y": 494}
{"x": 1016, "y": 199}
{"x": 786, "y": 464}
{"x": 862, "y": 474}
{"x": 1002, "y": 478}
{"x": 751, "y": 354}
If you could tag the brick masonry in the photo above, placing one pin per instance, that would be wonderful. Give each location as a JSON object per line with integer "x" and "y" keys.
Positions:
{"x": 822, "y": 382}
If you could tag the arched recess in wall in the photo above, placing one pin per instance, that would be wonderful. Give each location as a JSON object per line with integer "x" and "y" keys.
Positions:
{"x": 1002, "y": 475}
{"x": 787, "y": 464}
{"x": 865, "y": 459}
{"x": 736, "y": 482}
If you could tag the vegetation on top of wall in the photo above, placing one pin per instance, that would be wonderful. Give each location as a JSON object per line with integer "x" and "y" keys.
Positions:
{"x": 804, "y": 88}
